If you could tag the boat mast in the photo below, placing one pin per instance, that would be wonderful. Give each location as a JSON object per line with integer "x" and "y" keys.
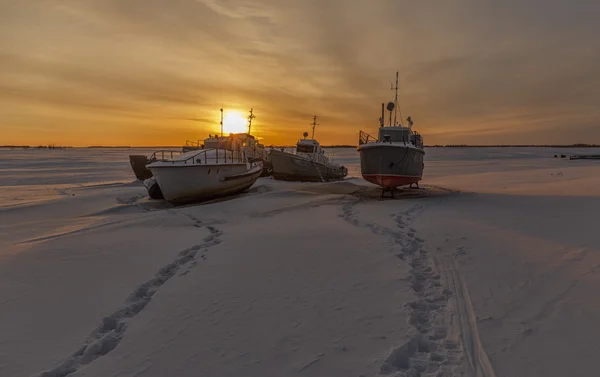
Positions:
{"x": 314, "y": 124}
{"x": 221, "y": 121}
{"x": 250, "y": 117}
{"x": 396, "y": 100}
{"x": 396, "y": 104}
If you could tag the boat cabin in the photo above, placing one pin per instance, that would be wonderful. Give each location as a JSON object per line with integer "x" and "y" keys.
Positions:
{"x": 399, "y": 134}
{"x": 241, "y": 141}
{"x": 225, "y": 142}
{"x": 394, "y": 134}
{"x": 310, "y": 148}
{"x": 246, "y": 139}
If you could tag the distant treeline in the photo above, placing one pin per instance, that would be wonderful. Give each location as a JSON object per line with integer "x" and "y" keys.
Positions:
{"x": 323, "y": 146}
{"x": 51, "y": 146}
{"x": 104, "y": 146}
{"x": 516, "y": 146}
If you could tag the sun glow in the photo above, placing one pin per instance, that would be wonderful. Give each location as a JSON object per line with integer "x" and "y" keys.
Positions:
{"x": 234, "y": 122}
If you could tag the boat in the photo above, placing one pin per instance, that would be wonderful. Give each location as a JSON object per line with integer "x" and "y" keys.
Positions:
{"x": 204, "y": 174}
{"x": 254, "y": 150}
{"x": 585, "y": 157}
{"x": 307, "y": 164}
{"x": 395, "y": 157}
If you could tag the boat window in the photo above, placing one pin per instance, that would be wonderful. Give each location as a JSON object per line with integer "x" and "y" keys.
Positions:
{"x": 208, "y": 171}
{"x": 305, "y": 148}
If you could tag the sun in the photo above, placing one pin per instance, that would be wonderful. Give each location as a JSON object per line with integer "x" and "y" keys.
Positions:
{"x": 234, "y": 122}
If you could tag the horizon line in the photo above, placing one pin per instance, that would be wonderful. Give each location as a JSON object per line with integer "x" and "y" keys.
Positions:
{"x": 54, "y": 146}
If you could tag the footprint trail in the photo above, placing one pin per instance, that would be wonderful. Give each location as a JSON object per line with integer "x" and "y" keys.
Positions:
{"x": 434, "y": 348}
{"x": 109, "y": 333}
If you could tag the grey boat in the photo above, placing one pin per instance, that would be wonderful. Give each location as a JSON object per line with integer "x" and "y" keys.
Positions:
{"x": 307, "y": 164}
{"x": 395, "y": 157}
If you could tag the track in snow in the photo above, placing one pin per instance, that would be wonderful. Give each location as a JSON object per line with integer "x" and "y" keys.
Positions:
{"x": 445, "y": 331}
{"x": 109, "y": 333}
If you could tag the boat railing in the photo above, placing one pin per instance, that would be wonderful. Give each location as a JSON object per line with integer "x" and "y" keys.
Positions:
{"x": 417, "y": 139}
{"x": 364, "y": 138}
{"x": 164, "y": 154}
{"x": 330, "y": 156}
{"x": 194, "y": 144}
{"x": 204, "y": 156}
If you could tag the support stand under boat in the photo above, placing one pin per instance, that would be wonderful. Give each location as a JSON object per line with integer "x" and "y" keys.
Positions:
{"x": 391, "y": 190}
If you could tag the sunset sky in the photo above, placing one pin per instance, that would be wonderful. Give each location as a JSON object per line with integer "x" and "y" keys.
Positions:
{"x": 156, "y": 72}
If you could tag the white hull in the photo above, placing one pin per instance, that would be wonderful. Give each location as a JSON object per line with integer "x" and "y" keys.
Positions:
{"x": 195, "y": 182}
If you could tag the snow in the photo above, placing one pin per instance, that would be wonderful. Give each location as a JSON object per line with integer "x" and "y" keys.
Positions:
{"x": 491, "y": 270}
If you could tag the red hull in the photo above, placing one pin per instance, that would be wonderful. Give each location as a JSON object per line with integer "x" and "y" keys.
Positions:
{"x": 390, "y": 181}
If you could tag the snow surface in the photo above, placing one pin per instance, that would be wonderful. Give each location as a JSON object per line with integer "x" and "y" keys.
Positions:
{"x": 490, "y": 270}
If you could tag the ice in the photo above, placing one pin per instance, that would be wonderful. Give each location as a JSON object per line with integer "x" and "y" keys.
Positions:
{"x": 490, "y": 269}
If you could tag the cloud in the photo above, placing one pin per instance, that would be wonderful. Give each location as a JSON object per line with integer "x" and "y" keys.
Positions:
{"x": 507, "y": 68}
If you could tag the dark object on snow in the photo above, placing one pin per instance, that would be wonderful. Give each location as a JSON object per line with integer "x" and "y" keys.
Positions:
{"x": 138, "y": 165}
{"x": 153, "y": 188}
{"x": 585, "y": 157}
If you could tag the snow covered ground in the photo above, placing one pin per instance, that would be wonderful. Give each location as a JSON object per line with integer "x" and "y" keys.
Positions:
{"x": 489, "y": 271}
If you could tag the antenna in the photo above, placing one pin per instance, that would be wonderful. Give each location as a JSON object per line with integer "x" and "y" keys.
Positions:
{"x": 221, "y": 121}
{"x": 396, "y": 99}
{"x": 250, "y": 117}
{"x": 314, "y": 124}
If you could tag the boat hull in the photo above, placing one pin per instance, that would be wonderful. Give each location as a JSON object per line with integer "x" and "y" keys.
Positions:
{"x": 266, "y": 165}
{"x": 192, "y": 183}
{"x": 389, "y": 165}
{"x": 290, "y": 167}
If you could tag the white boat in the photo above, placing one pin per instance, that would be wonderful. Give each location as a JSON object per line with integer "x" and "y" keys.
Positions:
{"x": 308, "y": 164}
{"x": 204, "y": 174}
